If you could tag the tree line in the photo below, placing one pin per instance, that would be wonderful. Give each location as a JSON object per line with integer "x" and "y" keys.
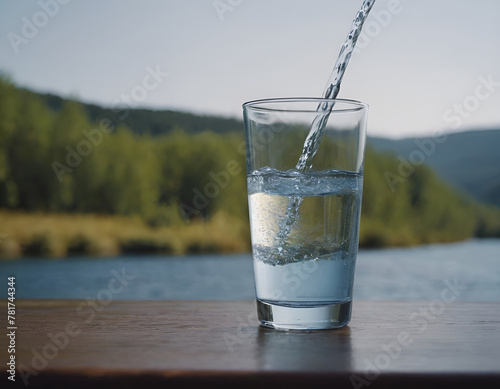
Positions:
{"x": 63, "y": 161}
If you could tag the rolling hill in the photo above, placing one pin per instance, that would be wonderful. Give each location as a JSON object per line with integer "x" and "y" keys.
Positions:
{"x": 469, "y": 161}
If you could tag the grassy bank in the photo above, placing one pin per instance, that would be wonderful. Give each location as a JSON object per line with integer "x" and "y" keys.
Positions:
{"x": 60, "y": 235}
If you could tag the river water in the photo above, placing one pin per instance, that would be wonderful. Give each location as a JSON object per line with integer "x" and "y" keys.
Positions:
{"x": 418, "y": 273}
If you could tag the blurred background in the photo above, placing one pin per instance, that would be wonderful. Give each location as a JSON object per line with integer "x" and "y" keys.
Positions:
{"x": 121, "y": 137}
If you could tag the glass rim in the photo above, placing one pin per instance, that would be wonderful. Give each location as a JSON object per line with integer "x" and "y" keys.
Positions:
{"x": 355, "y": 105}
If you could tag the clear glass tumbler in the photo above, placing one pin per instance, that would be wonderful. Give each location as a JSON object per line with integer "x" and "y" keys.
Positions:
{"x": 304, "y": 223}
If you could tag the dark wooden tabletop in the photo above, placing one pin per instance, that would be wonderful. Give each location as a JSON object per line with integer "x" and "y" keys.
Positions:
{"x": 168, "y": 344}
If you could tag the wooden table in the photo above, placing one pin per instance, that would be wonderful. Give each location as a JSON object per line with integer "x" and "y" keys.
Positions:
{"x": 169, "y": 344}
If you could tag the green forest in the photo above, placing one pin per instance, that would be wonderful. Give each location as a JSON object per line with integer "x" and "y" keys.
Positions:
{"x": 74, "y": 180}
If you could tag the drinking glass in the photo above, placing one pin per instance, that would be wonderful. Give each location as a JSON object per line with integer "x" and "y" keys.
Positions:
{"x": 304, "y": 223}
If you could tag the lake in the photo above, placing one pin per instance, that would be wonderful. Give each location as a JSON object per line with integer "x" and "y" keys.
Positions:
{"x": 418, "y": 273}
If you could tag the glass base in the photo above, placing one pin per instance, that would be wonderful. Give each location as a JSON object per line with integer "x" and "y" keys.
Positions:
{"x": 304, "y": 318}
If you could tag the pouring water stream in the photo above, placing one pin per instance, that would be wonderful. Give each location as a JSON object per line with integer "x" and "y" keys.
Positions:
{"x": 315, "y": 135}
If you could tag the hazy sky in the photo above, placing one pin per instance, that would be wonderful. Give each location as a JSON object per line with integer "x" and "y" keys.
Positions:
{"x": 421, "y": 65}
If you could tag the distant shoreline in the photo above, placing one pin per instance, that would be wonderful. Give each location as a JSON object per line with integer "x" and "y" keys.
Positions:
{"x": 32, "y": 235}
